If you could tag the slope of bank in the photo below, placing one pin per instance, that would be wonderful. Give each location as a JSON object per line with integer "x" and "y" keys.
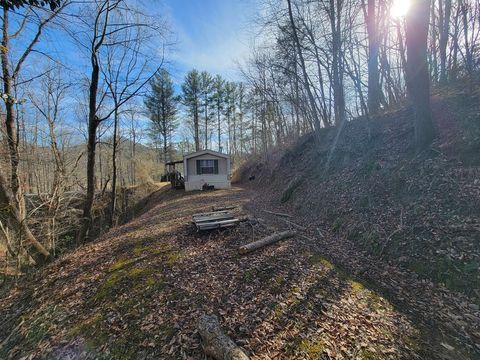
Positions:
{"x": 380, "y": 210}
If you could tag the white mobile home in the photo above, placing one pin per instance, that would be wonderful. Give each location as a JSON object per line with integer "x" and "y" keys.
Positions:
{"x": 206, "y": 167}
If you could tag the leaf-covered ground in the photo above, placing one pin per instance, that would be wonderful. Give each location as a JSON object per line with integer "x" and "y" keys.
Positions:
{"x": 137, "y": 293}
{"x": 408, "y": 223}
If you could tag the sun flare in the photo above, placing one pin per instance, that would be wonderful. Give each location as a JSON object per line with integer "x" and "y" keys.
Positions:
{"x": 400, "y": 8}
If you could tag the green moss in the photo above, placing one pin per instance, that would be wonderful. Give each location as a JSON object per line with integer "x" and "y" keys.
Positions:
{"x": 137, "y": 250}
{"x": 120, "y": 264}
{"x": 108, "y": 285}
{"x": 172, "y": 259}
{"x": 368, "y": 354}
{"x": 138, "y": 272}
{"x": 84, "y": 328}
{"x": 312, "y": 348}
{"x": 278, "y": 311}
{"x": 356, "y": 286}
{"x": 377, "y": 303}
{"x": 160, "y": 249}
{"x": 327, "y": 263}
{"x": 150, "y": 281}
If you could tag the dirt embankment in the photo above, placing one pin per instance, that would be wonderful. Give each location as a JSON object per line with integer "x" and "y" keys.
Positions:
{"x": 409, "y": 223}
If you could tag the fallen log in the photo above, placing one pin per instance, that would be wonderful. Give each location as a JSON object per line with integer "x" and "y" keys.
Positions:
{"x": 278, "y": 214}
{"x": 215, "y": 342}
{"x": 245, "y": 249}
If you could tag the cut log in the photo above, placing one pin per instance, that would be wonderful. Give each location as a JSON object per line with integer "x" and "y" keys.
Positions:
{"x": 245, "y": 249}
{"x": 215, "y": 342}
{"x": 278, "y": 214}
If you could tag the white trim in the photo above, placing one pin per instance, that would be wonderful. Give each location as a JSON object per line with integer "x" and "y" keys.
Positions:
{"x": 203, "y": 152}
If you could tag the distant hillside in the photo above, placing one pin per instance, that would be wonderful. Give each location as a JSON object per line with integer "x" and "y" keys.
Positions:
{"x": 367, "y": 185}
{"x": 136, "y": 164}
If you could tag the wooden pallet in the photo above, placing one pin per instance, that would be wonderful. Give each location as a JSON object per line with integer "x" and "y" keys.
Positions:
{"x": 214, "y": 220}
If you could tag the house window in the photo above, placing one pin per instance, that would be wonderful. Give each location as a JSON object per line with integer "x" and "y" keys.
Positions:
{"x": 207, "y": 167}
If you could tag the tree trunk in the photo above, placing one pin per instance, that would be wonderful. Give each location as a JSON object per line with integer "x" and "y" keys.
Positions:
{"x": 113, "y": 195}
{"x": 338, "y": 91}
{"x": 215, "y": 343}
{"x": 93, "y": 123}
{"x": 444, "y": 34}
{"x": 218, "y": 124}
{"x": 373, "y": 73}
{"x": 418, "y": 77}
{"x": 196, "y": 125}
{"x": 11, "y": 215}
{"x": 9, "y": 108}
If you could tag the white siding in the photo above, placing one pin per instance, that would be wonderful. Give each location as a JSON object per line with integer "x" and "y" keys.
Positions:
{"x": 195, "y": 182}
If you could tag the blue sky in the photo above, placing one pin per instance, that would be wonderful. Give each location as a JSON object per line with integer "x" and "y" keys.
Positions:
{"x": 211, "y": 35}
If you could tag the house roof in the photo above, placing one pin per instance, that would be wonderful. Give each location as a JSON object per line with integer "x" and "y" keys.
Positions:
{"x": 203, "y": 152}
{"x": 174, "y": 162}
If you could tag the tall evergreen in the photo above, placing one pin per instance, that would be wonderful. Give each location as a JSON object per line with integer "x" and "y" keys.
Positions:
{"x": 218, "y": 106}
{"x": 191, "y": 88}
{"x": 161, "y": 104}
{"x": 206, "y": 86}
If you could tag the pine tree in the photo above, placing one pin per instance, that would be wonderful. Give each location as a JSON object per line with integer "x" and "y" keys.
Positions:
{"x": 191, "y": 99}
{"x": 206, "y": 86}
{"x": 218, "y": 104}
{"x": 161, "y": 106}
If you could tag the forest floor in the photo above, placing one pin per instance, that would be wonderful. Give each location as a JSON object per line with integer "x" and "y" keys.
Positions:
{"x": 138, "y": 291}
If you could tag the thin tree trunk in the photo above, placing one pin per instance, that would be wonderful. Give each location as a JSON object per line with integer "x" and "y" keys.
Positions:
{"x": 444, "y": 34}
{"x": 418, "y": 77}
{"x": 113, "y": 195}
{"x": 93, "y": 123}
{"x": 374, "y": 95}
{"x": 9, "y": 108}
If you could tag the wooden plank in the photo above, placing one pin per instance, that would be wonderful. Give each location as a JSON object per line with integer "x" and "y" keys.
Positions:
{"x": 222, "y": 208}
{"x": 220, "y": 222}
{"x": 217, "y": 224}
{"x": 211, "y": 213}
{"x": 212, "y": 218}
{"x": 217, "y": 227}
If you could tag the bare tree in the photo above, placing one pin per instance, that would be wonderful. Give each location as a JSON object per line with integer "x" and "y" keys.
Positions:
{"x": 112, "y": 22}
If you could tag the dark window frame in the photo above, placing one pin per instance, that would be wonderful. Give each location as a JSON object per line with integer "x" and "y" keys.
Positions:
{"x": 207, "y": 167}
